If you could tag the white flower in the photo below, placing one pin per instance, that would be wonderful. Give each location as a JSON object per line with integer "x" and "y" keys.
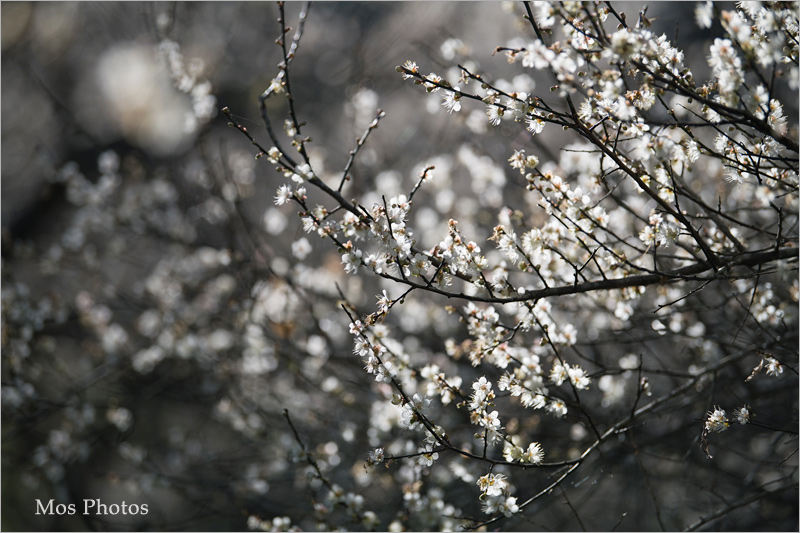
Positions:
{"x": 385, "y": 372}
{"x": 557, "y": 407}
{"x": 728, "y": 68}
{"x": 495, "y": 114}
{"x": 559, "y": 374}
{"x": 428, "y": 456}
{"x": 376, "y": 456}
{"x": 491, "y": 421}
{"x": 491, "y": 505}
{"x": 482, "y": 393}
{"x": 692, "y": 151}
{"x": 383, "y": 302}
{"x": 624, "y": 43}
{"x": 288, "y": 127}
{"x": 512, "y": 453}
{"x": 535, "y": 400}
{"x": 482, "y": 385}
{"x": 412, "y": 411}
{"x": 537, "y": 56}
{"x": 309, "y": 224}
{"x": 774, "y": 368}
{"x": 302, "y": 172}
{"x": 509, "y": 507}
{"x": 301, "y": 248}
{"x": 351, "y": 261}
{"x": 492, "y": 484}
{"x": 667, "y": 234}
{"x": 452, "y": 100}
{"x": 544, "y": 14}
{"x": 737, "y": 26}
{"x": 356, "y": 328}
{"x": 433, "y": 82}
{"x": 410, "y": 65}
{"x": 274, "y": 155}
{"x": 534, "y": 454}
{"x": 717, "y": 421}
{"x": 275, "y": 86}
{"x": 518, "y": 159}
{"x": 438, "y": 435}
{"x": 535, "y": 124}
{"x": 743, "y": 414}
{"x": 703, "y": 14}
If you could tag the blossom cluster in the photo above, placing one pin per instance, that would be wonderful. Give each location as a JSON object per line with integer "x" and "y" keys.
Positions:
{"x": 601, "y": 245}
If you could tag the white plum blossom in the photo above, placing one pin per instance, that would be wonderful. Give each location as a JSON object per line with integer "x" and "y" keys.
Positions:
{"x": 533, "y": 454}
{"x": 703, "y": 13}
{"x": 578, "y": 377}
{"x": 492, "y": 484}
{"x": 743, "y": 414}
{"x": 717, "y": 421}
{"x": 597, "y": 237}
{"x": 452, "y": 100}
{"x": 774, "y": 368}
